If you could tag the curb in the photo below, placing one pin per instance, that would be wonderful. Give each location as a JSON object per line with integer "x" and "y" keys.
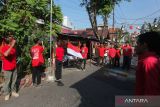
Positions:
{"x": 114, "y": 72}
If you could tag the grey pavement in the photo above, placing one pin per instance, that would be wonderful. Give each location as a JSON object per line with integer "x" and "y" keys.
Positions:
{"x": 90, "y": 88}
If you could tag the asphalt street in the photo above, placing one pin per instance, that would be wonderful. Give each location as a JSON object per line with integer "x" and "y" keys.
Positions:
{"x": 90, "y": 88}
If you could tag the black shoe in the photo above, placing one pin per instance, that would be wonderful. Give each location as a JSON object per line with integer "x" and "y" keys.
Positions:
{"x": 59, "y": 83}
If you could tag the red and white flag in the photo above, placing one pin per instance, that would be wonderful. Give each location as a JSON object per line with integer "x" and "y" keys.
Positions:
{"x": 74, "y": 50}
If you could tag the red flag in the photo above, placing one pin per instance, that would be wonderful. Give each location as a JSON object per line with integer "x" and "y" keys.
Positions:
{"x": 73, "y": 50}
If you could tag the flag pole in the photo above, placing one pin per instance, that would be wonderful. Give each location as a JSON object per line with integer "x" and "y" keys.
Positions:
{"x": 50, "y": 77}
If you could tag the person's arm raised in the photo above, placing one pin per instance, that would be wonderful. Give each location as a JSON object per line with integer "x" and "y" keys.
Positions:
{"x": 9, "y": 49}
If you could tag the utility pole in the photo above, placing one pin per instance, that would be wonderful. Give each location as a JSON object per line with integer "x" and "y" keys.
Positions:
{"x": 50, "y": 36}
{"x": 113, "y": 19}
{"x": 113, "y": 22}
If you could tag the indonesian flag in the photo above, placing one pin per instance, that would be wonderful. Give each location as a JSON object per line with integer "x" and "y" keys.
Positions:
{"x": 73, "y": 50}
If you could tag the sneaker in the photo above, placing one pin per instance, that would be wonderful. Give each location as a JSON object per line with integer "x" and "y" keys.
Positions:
{"x": 34, "y": 85}
{"x": 6, "y": 98}
{"x": 56, "y": 80}
{"x": 14, "y": 94}
{"x": 39, "y": 85}
{"x": 59, "y": 83}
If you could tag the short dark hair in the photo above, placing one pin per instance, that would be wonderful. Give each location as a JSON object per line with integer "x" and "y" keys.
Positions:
{"x": 126, "y": 42}
{"x": 152, "y": 39}
{"x": 59, "y": 43}
{"x": 36, "y": 40}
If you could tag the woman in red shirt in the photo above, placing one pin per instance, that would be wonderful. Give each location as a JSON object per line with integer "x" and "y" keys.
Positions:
{"x": 148, "y": 69}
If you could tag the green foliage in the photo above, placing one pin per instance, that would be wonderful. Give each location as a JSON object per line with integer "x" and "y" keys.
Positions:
{"x": 19, "y": 17}
{"x": 154, "y": 26}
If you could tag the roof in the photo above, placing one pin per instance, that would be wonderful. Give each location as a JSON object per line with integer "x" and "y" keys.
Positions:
{"x": 76, "y": 37}
{"x": 88, "y": 33}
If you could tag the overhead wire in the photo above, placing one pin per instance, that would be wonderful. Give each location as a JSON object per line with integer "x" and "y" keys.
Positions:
{"x": 144, "y": 17}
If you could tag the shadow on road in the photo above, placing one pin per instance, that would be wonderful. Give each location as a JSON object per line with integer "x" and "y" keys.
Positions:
{"x": 98, "y": 90}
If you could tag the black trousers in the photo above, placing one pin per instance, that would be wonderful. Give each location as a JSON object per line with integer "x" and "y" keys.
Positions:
{"x": 36, "y": 74}
{"x": 100, "y": 60}
{"x": 111, "y": 62}
{"x": 58, "y": 71}
{"x": 126, "y": 62}
{"x": 117, "y": 63}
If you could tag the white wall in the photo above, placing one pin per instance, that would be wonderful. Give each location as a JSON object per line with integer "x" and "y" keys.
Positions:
{"x": 67, "y": 22}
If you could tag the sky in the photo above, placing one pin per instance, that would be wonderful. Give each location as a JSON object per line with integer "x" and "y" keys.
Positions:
{"x": 133, "y": 13}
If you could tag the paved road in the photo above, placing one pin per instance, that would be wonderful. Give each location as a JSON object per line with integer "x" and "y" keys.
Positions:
{"x": 82, "y": 89}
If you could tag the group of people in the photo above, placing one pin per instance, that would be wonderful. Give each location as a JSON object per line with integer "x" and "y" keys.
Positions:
{"x": 147, "y": 49}
{"x": 148, "y": 68}
{"x": 111, "y": 53}
{"x": 9, "y": 65}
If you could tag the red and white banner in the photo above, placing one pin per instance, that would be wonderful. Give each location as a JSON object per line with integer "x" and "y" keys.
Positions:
{"x": 73, "y": 50}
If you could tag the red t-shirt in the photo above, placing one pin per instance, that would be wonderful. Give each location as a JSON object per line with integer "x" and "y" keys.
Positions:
{"x": 84, "y": 52}
{"x": 127, "y": 51}
{"x": 118, "y": 53}
{"x": 59, "y": 53}
{"x": 9, "y": 62}
{"x": 37, "y": 55}
{"x": 112, "y": 52}
{"x": 101, "y": 51}
{"x": 148, "y": 74}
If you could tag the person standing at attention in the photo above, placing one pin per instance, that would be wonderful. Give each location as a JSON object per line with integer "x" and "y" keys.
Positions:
{"x": 112, "y": 54}
{"x": 117, "y": 57}
{"x": 101, "y": 54}
{"x": 37, "y": 61}
{"x": 59, "y": 62}
{"x": 127, "y": 56}
{"x": 84, "y": 52}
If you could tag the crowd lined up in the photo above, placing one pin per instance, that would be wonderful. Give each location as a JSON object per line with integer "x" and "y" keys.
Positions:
{"x": 110, "y": 54}
{"x": 147, "y": 49}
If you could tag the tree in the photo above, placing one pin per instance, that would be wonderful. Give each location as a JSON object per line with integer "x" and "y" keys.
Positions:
{"x": 91, "y": 7}
{"x": 99, "y": 7}
{"x": 154, "y": 26}
{"x": 20, "y": 16}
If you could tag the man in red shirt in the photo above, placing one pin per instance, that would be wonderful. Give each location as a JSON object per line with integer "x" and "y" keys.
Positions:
{"x": 37, "y": 61}
{"x": 9, "y": 67}
{"x": 59, "y": 63}
{"x": 127, "y": 56}
{"x": 112, "y": 54}
{"x": 148, "y": 69}
{"x": 101, "y": 54}
{"x": 84, "y": 52}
